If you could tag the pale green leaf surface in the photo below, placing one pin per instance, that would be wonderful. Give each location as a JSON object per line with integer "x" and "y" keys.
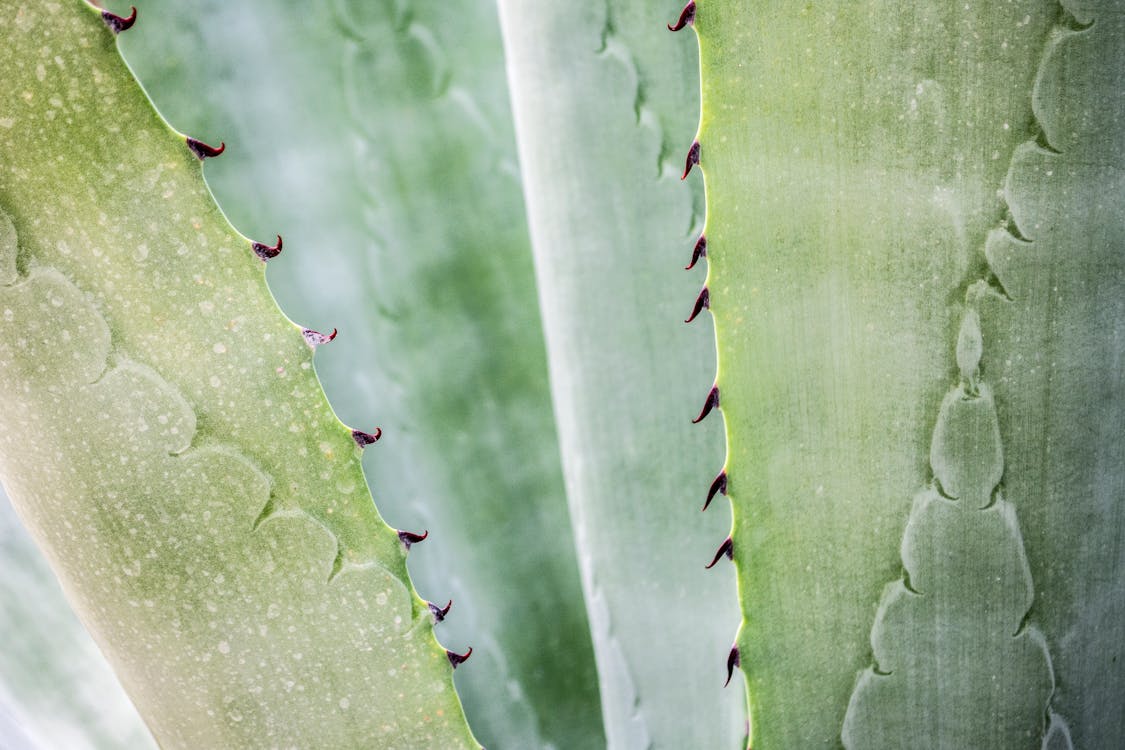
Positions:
{"x": 605, "y": 102}
{"x": 856, "y": 158}
{"x": 377, "y": 139}
{"x": 56, "y": 690}
{"x": 166, "y": 440}
{"x": 1055, "y": 355}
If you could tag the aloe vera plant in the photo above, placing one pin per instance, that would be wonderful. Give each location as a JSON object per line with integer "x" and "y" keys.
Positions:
{"x": 912, "y": 259}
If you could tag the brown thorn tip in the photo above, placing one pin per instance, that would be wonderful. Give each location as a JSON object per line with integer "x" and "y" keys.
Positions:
{"x": 439, "y": 612}
{"x": 116, "y": 23}
{"x": 409, "y": 537}
{"x": 733, "y": 660}
{"x": 726, "y": 548}
{"x": 687, "y": 17}
{"x": 692, "y": 159}
{"x": 701, "y": 302}
{"x": 711, "y": 403}
{"x": 700, "y": 251}
{"x": 265, "y": 252}
{"x": 202, "y": 150}
{"x": 316, "y": 338}
{"x": 719, "y": 485}
{"x": 364, "y": 439}
{"x": 456, "y": 659}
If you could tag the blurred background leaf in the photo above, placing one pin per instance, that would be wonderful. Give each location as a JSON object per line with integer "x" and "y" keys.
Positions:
{"x": 606, "y": 102}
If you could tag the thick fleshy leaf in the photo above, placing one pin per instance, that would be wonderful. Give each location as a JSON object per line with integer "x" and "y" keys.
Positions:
{"x": 878, "y": 175}
{"x": 1055, "y": 352}
{"x": 377, "y": 139}
{"x": 166, "y": 441}
{"x": 605, "y": 102}
{"x": 56, "y": 689}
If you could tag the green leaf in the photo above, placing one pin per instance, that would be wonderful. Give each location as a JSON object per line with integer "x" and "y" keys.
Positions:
{"x": 166, "y": 441}
{"x": 868, "y": 183}
{"x": 1054, "y": 354}
{"x": 376, "y": 138}
{"x": 604, "y": 102}
{"x": 55, "y": 688}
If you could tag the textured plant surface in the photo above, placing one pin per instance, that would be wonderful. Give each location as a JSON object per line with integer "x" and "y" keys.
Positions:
{"x": 602, "y": 95}
{"x": 55, "y": 688}
{"x": 913, "y": 258}
{"x": 377, "y": 140}
{"x": 879, "y": 180}
{"x": 166, "y": 439}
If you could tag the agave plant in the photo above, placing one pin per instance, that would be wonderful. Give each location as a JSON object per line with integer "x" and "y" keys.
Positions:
{"x": 911, "y": 234}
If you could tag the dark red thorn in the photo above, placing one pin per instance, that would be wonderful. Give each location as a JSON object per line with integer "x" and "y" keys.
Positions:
{"x": 265, "y": 252}
{"x": 116, "y": 23}
{"x": 439, "y": 612}
{"x": 692, "y": 159}
{"x": 711, "y": 402}
{"x": 364, "y": 439}
{"x": 733, "y": 660}
{"x": 316, "y": 338}
{"x": 409, "y": 537}
{"x": 701, "y": 302}
{"x": 700, "y": 251}
{"x": 719, "y": 485}
{"x": 687, "y": 17}
{"x": 726, "y": 548}
{"x": 456, "y": 659}
{"x": 202, "y": 150}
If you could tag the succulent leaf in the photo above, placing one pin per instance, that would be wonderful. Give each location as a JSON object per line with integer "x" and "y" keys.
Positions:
{"x": 167, "y": 442}
{"x": 604, "y": 109}
{"x": 878, "y": 177}
{"x": 377, "y": 138}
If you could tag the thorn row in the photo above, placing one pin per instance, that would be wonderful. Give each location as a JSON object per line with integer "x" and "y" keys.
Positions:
{"x": 116, "y": 23}
{"x": 409, "y": 537}
{"x": 726, "y": 548}
{"x": 202, "y": 150}
{"x": 265, "y": 252}
{"x": 700, "y": 251}
{"x": 719, "y": 485}
{"x": 733, "y": 660}
{"x": 456, "y": 659}
{"x": 439, "y": 612}
{"x": 692, "y": 159}
{"x": 687, "y": 17}
{"x": 702, "y": 302}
